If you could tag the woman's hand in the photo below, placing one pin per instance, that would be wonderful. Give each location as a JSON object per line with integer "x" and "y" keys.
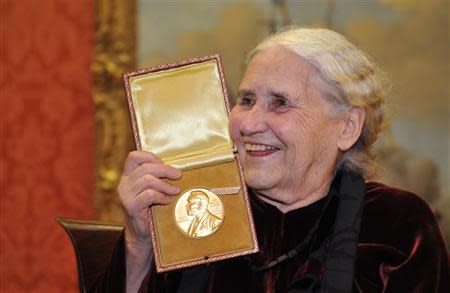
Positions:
{"x": 140, "y": 187}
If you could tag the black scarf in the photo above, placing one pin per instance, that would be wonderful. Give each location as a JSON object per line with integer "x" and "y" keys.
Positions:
{"x": 339, "y": 256}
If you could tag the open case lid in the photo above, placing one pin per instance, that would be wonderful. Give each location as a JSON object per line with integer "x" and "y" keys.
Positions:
{"x": 183, "y": 112}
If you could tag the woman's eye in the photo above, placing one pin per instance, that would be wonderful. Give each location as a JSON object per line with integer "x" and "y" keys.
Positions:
{"x": 245, "y": 101}
{"x": 281, "y": 102}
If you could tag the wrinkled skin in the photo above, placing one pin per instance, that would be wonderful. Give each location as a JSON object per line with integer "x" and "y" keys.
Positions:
{"x": 295, "y": 131}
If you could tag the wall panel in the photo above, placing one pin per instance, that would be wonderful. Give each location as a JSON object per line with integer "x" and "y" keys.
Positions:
{"x": 46, "y": 139}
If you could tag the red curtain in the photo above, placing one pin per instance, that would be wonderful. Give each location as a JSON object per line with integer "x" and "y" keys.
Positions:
{"x": 46, "y": 139}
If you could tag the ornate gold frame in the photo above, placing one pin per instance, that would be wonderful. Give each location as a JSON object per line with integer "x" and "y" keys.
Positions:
{"x": 114, "y": 54}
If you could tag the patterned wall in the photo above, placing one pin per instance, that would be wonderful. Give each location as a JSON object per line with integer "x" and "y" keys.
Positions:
{"x": 46, "y": 139}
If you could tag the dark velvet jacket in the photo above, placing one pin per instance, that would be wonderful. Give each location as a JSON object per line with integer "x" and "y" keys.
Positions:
{"x": 400, "y": 249}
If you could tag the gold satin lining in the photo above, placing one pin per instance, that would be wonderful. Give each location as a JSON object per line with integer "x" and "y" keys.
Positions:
{"x": 181, "y": 115}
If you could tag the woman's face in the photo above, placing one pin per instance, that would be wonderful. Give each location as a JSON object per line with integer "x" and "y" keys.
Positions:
{"x": 286, "y": 133}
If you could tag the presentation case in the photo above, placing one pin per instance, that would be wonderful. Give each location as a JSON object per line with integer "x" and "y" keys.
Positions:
{"x": 180, "y": 113}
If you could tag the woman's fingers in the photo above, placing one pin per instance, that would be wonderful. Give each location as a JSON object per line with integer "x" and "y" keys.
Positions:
{"x": 158, "y": 170}
{"x": 144, "y": 200}
{"x": 137, "y": 158}
{"x": 151, "y": 182}
{"x": 151, "y": 196}
{"x": 142, "y": 186}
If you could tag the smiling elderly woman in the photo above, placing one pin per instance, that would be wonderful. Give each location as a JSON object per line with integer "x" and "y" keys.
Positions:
{"x": 309, "y": 108}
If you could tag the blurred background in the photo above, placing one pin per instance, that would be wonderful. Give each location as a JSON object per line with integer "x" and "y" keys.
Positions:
{"x": 65, "y": 130}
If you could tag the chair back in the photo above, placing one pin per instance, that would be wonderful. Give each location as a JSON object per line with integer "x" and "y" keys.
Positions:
{"x": 93, "y": 243}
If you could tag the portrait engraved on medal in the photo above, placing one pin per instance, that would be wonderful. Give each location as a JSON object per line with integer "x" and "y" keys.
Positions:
{"x": 199, "y": 213}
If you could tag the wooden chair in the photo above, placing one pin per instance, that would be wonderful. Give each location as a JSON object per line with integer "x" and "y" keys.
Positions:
{"x": 93, "y": 243}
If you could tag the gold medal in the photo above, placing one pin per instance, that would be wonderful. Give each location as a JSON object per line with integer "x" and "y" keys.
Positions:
{"x": 199, "y": 213}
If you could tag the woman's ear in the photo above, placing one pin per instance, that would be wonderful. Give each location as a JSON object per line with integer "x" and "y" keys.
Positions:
{"x": 353, "y": 125}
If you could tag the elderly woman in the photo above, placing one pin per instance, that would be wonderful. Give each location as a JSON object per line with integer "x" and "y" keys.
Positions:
{"x": 308, "y": 111}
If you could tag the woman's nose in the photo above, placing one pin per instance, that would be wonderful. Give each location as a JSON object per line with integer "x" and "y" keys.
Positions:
{"x": 254, "y": 121}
